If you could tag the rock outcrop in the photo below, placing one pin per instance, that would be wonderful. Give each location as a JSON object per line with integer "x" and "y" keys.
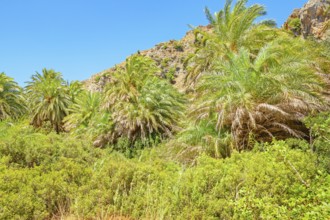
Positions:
{"x": 311, "y": 20}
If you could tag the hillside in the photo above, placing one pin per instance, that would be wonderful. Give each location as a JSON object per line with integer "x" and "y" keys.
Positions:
{"x": 169, "y": 57}
{"x": 311, "y": 20}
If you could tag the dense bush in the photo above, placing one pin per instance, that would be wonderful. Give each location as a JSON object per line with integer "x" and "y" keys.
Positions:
{"x": 24, "y": 147}
{"x": 320, "y": 138}
{"x": 46, "y": 175}
{"x": 40, "y": 173}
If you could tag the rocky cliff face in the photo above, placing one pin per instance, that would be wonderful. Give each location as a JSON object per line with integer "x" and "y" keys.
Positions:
{"x": 311, "y": 20}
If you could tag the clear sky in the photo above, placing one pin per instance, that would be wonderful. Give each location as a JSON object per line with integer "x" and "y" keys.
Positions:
{"x": 82, "y": 37}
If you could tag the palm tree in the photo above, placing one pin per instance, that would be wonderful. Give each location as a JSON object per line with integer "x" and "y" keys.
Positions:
{"x": 141, "y": 104}
{"x": 12, "y": 104}
{"x": 49, "y": 99}
{"x": 75, "y": 89}
{"x": 259, "y": 98}
{"x": 231, "y": 28}
{"x": 85, "y": 107}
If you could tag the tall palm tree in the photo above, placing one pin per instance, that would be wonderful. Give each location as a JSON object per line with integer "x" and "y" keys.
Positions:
{"x": 232, "y": 25}
{"x": 12, "y": 104}
{"x": 231, "y": 28}
{"x": 49, "y": 99}
{"x": 141, "y": 104}
{"x": 262, "y": 98}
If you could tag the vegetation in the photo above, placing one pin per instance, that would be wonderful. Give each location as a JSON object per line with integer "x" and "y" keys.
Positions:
{"x": 61, "y": 176}
{"x": 295, "y": 25}
{"x": 12, "y": 104}
{"x": 260, "y": 99}
{"x": 142, "y": 105}
{"x": 49, "y": 98}
{"x": 231, "y": 30}
{"x": 248, "y": 138}
{"x": 178, "y": 46}
{"x": 85, "y": 107}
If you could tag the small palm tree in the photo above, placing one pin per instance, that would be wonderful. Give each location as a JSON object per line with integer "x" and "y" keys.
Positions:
{"x": 141, "y": 104}
{"x": 85, "y": 107}
{"x": 75, "y": 89}
{"x": 49, "y": 99}
{"x": 261, "y": 98}
{"x": 12, "y": 104}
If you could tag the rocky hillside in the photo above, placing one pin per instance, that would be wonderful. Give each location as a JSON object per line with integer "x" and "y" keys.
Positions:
{"x": 169, "y": 57}
{"x": 313, "y": 19}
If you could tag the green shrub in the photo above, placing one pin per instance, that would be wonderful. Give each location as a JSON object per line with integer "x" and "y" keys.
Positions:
{"x": 170, "y": 74}
{"x": 320, "y": 137}
{"x": 278, "y": 183}
{"x": 295, "y": 24}
{"x": 164, "y": 62}
{"x": 63, "y": 176}
{"x": 25, "y": 147}
{"x": 178, "y": 46}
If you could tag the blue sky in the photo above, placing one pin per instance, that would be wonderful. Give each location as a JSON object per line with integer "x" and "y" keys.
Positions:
{"x": 82, "y": 37}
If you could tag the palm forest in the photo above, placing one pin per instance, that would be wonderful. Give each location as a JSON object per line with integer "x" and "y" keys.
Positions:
{"x": 247, "y": 136}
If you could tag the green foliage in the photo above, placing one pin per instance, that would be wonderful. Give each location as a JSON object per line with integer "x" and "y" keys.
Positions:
{"x": 200, "y": 138}
{"x": 22, "y": 146}
{"x": 49, "y": 97}
{"x": 277, "y": 183}
{"x": 100, "y": 124}
{"x": 74, "y": 89}
{"x": 253, "y": 81}
{"x": 231, "y": 24}
{"x": 44, "y": 176}
{"x": 85, "y": 107}
{"x": 170, "y": 75}
{"x": 319, "y": 126}
{"x": 250, "y": 84}
{"x": 178, "y": 46}
{"x": 164, "y": 62}
{"x": 12, "y": 103}
{"x": 40, "y": 174}
{"x": 295, "y": 25}
{"x": 164, "y": 46}
{"x": 233, "y": 27}
{"x": 141, "y": 104}
{"x": 260, "y": 97}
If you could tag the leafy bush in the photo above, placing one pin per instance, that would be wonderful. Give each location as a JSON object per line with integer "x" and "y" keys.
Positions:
{"x": 295, "y": 25}
{"x": 170, "y": 74}
{"x": 23, "y": 147}
{"x": 319, "y": 126}
{"x": 276, "y": 183}
{"x": 45, "y": 176}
